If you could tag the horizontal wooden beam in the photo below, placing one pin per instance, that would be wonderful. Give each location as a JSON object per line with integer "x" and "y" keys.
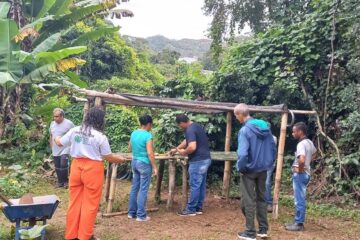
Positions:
{"x": 188, "y": 105}
{"x": 215, "y": 155}
{"x": 182, "y": 104}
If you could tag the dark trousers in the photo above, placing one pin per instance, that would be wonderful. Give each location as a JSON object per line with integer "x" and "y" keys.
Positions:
{"x": 62, "y": 168}
{"x": 252, "y": 188}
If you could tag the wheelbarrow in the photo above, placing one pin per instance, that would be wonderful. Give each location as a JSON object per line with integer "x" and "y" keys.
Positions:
{"x": 41, "y": 209}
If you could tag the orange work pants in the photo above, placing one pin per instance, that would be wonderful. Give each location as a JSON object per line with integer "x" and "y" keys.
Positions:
{"x": 85, "y": 188}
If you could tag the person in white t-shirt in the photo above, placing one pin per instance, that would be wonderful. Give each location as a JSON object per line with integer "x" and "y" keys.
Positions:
{"x": 59, "y": 127}
{"x": 88, "y": 147}
{"x": 305, "y": 153}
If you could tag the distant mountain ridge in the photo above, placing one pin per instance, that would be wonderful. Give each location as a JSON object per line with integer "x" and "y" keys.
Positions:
{"x": 190, "y": 48}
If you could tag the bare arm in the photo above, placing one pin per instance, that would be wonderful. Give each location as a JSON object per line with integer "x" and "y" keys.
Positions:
{"x": 151, "y": 155}
{"x": 130, "y": 147}
{"x": 57, "y": 141}
{"x": 51, "y": 140}
{"x": 114, "y": 158}
{"x": 301, "y": 163}
{"x": 182, "y": 145}
{"x": 190, "y": 149}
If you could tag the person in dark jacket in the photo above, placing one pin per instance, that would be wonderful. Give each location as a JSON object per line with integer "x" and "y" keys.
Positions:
{"x": 256, "y": 155}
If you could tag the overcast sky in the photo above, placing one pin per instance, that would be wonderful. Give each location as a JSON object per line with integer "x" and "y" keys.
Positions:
{"x": 175, "y": 19}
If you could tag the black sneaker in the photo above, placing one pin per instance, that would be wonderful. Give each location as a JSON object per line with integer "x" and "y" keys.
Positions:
{"x": 289, "y": 224}
{"x": 262, "y": 233}
{"x": 295, "y": 227}
{"x": 199, "y": 211}
{"x": 59, "y": 185}
{"x": 185, "y": 213}
{"x": 246, "y": 236}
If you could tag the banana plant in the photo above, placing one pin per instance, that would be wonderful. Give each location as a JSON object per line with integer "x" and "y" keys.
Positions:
{"x": 32, "y": 44}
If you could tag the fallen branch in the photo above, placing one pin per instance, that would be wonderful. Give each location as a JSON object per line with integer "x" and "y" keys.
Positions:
{"x": 126, "y": 212}
{"x": 320, "y": 129}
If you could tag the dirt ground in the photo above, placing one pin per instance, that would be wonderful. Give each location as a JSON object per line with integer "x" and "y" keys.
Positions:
{"x": 221, "y": 220}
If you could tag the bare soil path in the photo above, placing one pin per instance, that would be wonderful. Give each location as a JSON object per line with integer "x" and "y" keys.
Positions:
{"x": 221, "y": 220}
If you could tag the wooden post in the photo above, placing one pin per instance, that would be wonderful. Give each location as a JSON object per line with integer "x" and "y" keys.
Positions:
{"x": 172, "y": 175}
{"x": 112, "y": 188}
{"x": 184, "y": 185}
{"x": 279, "y": 165}
{"x": 86, "y": 109}
{"x": 159, "y": 181}
{"x": 227, "y": 167}
{"x": 98, "y": 102}
{"x": 107, "y": 182}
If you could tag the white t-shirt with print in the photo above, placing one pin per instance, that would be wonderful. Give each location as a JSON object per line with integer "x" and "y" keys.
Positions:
{"x": 93, "y": 146}
{"x": 59, "y": 130}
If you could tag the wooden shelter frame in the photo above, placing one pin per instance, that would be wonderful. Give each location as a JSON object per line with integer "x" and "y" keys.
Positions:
{"x": 100, "y": 99}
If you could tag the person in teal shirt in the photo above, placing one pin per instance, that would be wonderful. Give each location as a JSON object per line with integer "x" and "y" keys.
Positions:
{"x": 142, "y": 165}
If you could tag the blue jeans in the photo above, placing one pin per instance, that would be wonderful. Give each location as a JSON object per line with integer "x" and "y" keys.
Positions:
{"x": 197, "y": 173}
{"x": 268, "y": 185}
{"x": 139, "y": 188}
{"x": 300, "y": 182}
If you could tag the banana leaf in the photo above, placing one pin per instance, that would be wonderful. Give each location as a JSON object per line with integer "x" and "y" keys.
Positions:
{"x": 10, "y": 68}
{"x": 4, "y": 9}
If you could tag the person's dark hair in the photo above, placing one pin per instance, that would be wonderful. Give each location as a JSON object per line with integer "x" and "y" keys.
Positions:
{"x": 301, "y": 126}
{"x": 144, "y": 120}
{"x": 181, "y": 118}
{"x": 95, "y": 118}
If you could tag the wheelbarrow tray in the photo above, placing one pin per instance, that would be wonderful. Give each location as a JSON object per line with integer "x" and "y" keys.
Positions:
{"x": 43, "y": 208}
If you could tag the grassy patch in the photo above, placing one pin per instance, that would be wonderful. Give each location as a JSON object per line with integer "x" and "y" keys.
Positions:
{"x": 324, "y": 210}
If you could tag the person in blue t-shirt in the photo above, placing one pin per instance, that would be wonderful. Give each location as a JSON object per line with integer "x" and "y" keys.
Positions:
{"x": 196, "y": 147}
{"x": 143, "y": 164}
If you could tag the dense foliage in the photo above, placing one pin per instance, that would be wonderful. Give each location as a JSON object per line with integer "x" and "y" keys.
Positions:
{"x": 306, "y": 56}
{"x": 310, "y": 64}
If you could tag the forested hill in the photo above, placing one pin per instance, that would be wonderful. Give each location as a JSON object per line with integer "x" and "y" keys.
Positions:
{"x": 194, "y": 48}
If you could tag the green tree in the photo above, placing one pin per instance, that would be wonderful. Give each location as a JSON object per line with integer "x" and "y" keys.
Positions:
{"x": 166, "y": 56}
{"x": 230, "y": 17}
{"x": 34, "y": 45}
{"x": 306, "y": 65}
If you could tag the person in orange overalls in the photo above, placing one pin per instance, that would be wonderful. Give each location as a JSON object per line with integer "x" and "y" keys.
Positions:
{"x": 88, "y": 148}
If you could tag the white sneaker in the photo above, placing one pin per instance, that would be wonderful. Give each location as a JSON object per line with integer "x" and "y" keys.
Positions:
{"x": 143, "y": 219}
{"x": 131, "y": 217}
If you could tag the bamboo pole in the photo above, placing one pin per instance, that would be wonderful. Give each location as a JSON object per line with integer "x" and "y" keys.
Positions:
{"x": 107, "y": 182}
{"x": 195, "y": 106}
{"x": 126, "y": 212}
{"x": 227, "y": 167}
{"x": 86, "y": 109}
{"x": 159, "y": 181}
{"x": 279, "y": 166}
{"x": 172, "y": 175}
{"x": 305, "y": 112}
{"x": 98, "y": 102}
{"x": 184, "y": 185}
{"x": 112, "y": 188}
{"x": 137, "y": 100}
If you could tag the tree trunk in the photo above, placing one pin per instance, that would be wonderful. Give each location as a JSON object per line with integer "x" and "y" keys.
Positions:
{"x": 10, "y": 107}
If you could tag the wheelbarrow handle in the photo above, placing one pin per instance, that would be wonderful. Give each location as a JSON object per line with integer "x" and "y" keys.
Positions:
{"x": 5, "y": 199}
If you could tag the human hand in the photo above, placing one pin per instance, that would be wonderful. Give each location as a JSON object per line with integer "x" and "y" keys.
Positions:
{"x": 182, "y": 152}
{"x": 155, "y": 172}
{"x": 298, "y": 170}
{"x": 173, "y": 151}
